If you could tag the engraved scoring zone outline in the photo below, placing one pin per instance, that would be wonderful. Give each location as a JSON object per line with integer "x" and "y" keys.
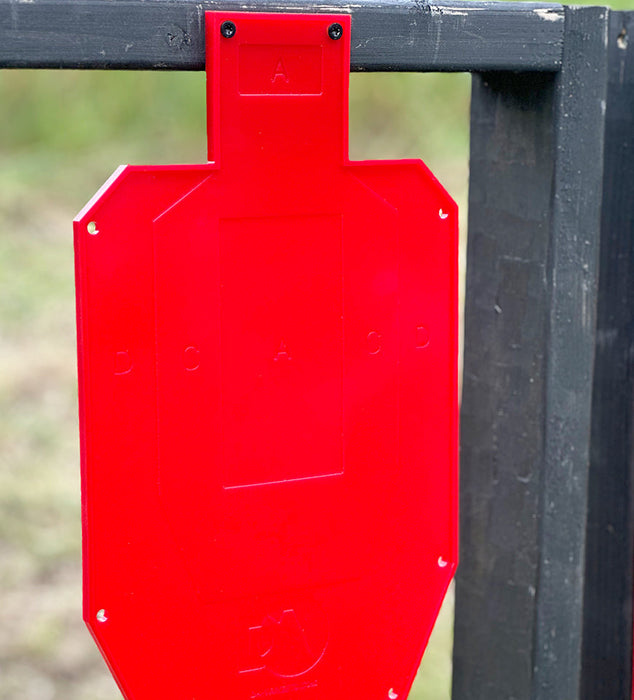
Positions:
{"x": 283, "y": 354}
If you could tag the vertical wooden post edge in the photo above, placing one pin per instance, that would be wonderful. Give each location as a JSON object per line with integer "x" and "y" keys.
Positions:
{"x": 532, "y": 279}
{"x": 573, "y": 284}
{"x": 609, "y": 582}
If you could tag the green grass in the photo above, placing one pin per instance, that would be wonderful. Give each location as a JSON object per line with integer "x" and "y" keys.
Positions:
{"x": 61, "y": 136}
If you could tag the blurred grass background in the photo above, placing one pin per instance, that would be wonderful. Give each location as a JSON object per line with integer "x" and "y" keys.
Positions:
{"x": 61, "y": 135}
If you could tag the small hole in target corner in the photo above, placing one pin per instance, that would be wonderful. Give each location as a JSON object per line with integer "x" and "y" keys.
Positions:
{"x": 391, "y": 694}
{"x": 442, "y": 563}
{"x": 102, "y": 616}
{"x": 92, "y": 228}
{"x": 443, "y": 214}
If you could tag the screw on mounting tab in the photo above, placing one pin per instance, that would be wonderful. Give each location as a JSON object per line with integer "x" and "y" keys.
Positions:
{"x": 227, "y": 29}
{"x": 335, "y": 31}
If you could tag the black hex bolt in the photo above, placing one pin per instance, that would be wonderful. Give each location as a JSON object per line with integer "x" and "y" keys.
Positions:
{"x": 335, "y": 31}
{"x": 227, "y": 29}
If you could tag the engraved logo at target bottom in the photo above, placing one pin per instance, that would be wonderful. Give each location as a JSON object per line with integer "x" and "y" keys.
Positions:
{"x": 288, "y": 644}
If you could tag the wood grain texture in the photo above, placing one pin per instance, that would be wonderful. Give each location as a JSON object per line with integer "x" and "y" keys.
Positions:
{"x": 609, "y": 584}
{"x": 504, "y": 384}
{"x": 581, "y": 91}
{"x": 532, "y": 280}
{"x": 387, "y": 35}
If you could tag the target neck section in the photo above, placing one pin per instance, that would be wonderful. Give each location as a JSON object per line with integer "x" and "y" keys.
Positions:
{"x": 277, "y": 88}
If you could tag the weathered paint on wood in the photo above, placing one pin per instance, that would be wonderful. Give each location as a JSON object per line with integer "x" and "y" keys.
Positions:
{"x": 609, "y": 584}
{"x": 504, "y": 384}
{"x": 536, "y": 180}
{"x": 581, "y": 91}
{"x": 387, "y": 35}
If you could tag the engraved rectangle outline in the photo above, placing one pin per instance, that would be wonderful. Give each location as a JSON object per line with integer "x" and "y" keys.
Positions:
{"x": 329, "y": 475}
{"x": 284, "y": 94}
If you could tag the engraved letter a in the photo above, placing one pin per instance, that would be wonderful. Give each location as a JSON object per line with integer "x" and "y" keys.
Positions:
{"x": 280, "y": 73}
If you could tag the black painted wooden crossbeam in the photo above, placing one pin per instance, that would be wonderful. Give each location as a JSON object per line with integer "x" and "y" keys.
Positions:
{"x": 387, "y": 35}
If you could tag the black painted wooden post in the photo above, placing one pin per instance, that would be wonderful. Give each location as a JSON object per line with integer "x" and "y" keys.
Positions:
{"x": 607, "y": 639}
{"x": 535, "y": 196}
{"x": 502, "y": 441}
